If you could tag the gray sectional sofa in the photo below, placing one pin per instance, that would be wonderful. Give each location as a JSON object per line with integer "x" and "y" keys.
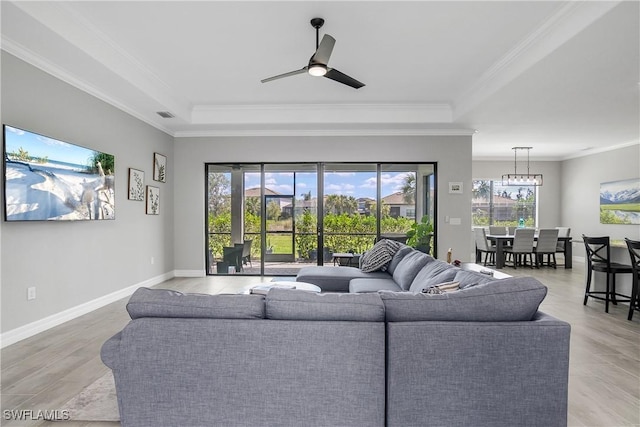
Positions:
{"x": 408, "y": 270}
{"x": 480, "y": 356}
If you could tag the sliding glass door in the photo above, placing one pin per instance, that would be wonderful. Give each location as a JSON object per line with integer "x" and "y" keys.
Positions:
{"x": 273, "y": 219}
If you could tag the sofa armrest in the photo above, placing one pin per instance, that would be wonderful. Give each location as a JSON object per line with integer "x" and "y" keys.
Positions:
{"x": 110, "y": 351}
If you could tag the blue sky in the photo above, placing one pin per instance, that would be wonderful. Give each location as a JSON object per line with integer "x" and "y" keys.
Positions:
{"x": 356, "y": 184}
{"x": 42, "y": 146}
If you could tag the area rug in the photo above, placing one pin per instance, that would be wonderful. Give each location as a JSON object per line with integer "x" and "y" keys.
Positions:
{"x": 97, "y": 402}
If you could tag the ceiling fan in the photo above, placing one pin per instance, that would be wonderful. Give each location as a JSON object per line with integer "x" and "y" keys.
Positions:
{"x": 318, "y": 62}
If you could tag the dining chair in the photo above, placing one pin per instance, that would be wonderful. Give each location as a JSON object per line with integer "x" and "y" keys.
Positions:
{"x": 546, "y": 245}
{"x": 246, "y": 252}
{"x": 522, "y": 246}
{"x": 512, "y": 230}
{"x": 497, "y": 230}
{"x": 482, "y": 245}
{"x": 634, "y": 253}
{"x": 598, "y": 255}
{"x": 562, "y": 232}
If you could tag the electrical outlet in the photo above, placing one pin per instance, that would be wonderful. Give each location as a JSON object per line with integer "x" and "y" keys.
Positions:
{"x": 31, "y": 293}
{"x": 152, "y": 260}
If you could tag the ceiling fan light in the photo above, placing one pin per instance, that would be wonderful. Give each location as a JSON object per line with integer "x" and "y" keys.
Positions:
{"x": 317, "y": 70}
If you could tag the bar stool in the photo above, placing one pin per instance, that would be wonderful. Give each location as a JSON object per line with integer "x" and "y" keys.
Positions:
{"x": 634, "y": 253}
{"x": 598, "y": 254}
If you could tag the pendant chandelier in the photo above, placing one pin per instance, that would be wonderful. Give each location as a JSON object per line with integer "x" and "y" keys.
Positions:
{"x": 516, "y": 178}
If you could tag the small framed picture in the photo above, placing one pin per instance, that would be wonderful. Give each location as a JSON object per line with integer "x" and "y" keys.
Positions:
{"x": 455, "y": 188}
{"x": 136, "y": 184}
{"x": 153, "y": 200}
{"x": 159, "y": 167}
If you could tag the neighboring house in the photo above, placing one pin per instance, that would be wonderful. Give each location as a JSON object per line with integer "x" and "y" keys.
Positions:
{"x": 364, "y": 205}
{"x": 502, "y": 207}
{"x": 398, "y": 206}
{"x": 255, "y": 192}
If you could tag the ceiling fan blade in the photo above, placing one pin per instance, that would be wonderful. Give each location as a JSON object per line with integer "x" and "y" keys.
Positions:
{"x": 290, "y": 73}
{"x": 324, "y": 50}
{"x": 336, "y": 75}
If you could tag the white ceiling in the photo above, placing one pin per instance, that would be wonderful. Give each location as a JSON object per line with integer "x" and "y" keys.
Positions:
{"x": 561, "y": 77}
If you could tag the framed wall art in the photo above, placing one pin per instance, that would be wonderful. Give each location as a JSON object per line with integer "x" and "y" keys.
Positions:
{"x": 620, "y": 202}
{"x": 136, "y": 184}
{"x": 159, "y": 167}
{"x": 153, "y": 200}
{"x": 455, "y": 188}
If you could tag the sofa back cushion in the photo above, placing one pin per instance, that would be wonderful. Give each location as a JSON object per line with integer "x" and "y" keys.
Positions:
{"x": 472, "y": 278}
{"x": 147, "y": 302}
{"x": 408, "y": 268}
{"x": 292, "y": 304}
{"x": 432, "y": 274}
{"x": 505, "y": 300}
{"x": 397, "y": 257}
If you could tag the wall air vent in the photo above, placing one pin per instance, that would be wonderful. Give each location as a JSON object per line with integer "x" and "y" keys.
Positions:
{"x": 165, "y": 114}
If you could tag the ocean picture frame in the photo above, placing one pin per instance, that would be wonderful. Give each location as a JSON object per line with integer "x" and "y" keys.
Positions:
{"x": 136, "y": 184}
{"x": 153, "y": 200}
{"x": 159, "y": 167}
{"x": 620, "y": 202}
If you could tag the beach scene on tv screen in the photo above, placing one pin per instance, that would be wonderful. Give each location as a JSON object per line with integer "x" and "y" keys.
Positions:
{"x": 47, "y": 179}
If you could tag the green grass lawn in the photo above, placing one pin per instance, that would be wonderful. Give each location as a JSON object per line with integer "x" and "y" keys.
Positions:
{"x": 281, "y": 243}
{"x": 627, "y": 207}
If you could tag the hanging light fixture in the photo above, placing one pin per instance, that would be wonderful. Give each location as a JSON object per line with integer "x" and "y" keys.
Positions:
{"x": 521, "y": 178}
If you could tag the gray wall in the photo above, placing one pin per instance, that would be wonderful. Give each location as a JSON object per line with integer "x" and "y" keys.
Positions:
{"x": 73, "y": 263}
{"x": 581, "y": 191}
{"x": 581, "y": 203}
{"x": 453, "y": 154}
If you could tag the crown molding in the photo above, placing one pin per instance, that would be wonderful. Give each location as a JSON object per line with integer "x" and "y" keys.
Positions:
{"x": 389, "y": 131}
{"x": 28, "y": 56}
{"x": 321, "y": 113}
{"x": 602, "y": 150}
{"x": 73, "y": 27}
{"x": 568, "y": 20}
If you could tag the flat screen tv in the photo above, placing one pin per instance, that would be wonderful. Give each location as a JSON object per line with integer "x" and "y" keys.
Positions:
{"x": 50, "y": 180}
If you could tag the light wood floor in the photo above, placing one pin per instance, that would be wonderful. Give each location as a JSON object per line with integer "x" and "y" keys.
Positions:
{"x": 45, "y": 371}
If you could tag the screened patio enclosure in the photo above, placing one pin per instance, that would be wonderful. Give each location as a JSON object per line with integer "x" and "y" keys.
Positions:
{"x": 274, "y": 218}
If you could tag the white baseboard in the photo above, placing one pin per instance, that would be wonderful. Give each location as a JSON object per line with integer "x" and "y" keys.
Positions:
{"x": 190, "y": 273}
{"x": 33, "y": 328}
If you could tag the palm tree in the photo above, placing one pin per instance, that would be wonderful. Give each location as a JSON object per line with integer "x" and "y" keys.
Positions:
{"x": 339, "y": 204}
{"x": 481, "y": 190}
{"x": 409, "y": 188}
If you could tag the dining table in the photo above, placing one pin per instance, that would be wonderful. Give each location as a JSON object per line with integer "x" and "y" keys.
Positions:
{"x": 502, "y": 240}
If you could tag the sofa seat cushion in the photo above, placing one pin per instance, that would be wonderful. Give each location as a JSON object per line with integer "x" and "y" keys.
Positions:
{"x": 373, "y": 285}
{"x": 335, "y": 279}
{"x": 505, "y": 300}
{"x": 408, "y": 268}
{"x": 291, "y": 304}
{"x": 147, "y": 302}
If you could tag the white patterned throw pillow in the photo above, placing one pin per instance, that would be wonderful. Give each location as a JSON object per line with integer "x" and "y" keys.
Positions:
{"x": 377, "y": 258}
{"x": 442, "y": 288}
